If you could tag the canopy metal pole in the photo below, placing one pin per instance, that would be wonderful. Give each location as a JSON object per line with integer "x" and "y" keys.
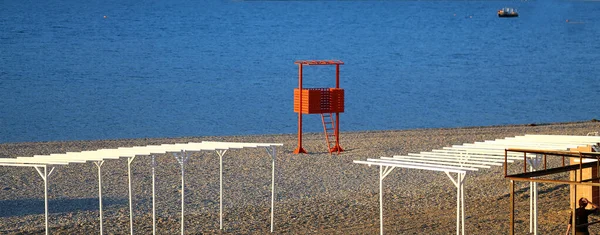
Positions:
{"x": 383, "y": 172}
{"x": 272, "y": 152}
{"x": 221, "y": 153}
{"x": 45, "y": 178}
{"x": 129, "y": 160}
{"x": 535, "y": 209}
{"x": 99, "y": 165}
{"x": 458, "y": 204}
{"x": 462, "y": 199}
{"x": 153, "y": 196}
{"x": 182, "y": 197}
{"x": 182, "y": 159}
{"x": 574, "y": 209}
{"x": 533, "y": 192}
{"x": 221, "y": 190}
{"x": 46, "y": 196}
{"x": 530, "y": 206}
{"x": 381, "y": 200}
{"x": 511, "y": 187}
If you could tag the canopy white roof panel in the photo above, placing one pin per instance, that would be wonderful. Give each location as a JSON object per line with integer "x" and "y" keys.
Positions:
{"x": 484, "y": 154}
{"x": 129, "y": 152}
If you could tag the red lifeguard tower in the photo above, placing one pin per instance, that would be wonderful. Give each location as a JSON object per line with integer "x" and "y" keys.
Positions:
{"x": 324, "y": 101}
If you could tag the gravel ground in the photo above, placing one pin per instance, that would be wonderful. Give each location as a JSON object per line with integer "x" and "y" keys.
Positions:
{"x": 317, "y": 193}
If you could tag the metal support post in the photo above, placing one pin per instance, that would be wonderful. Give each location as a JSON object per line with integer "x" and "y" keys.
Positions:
{"x": 460, "y": 201}
{"x": 299, "y": 149}
{"x": 221, "y": 153}
{"x": 153, "y": 196}
{"x": 271, "y": 151}
{"x": 337, "y": 148}
{"x": 535, "y": 208}
{"x": 511, "y": 187}
{"x": 129, "y": 160}
{"x": 574, "y": 209}
{"x": 182, "y": 159}
{"x": 530, "y": 206}
{"x": 534, "y": 164}
{"x": 383, "y": 172}
{"x": 99, "y": 165}
{"x": 46, "y": 197}
{"x": 458, "y": 205}
{"x": 45, "y": 176}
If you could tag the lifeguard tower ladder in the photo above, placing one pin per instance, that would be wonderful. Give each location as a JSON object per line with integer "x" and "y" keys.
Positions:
{"x": 324, "y": 101}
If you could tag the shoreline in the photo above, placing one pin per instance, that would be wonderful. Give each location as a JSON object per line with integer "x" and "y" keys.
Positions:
{"x": 317, "y": 193}
{"x": 308, "y": 133}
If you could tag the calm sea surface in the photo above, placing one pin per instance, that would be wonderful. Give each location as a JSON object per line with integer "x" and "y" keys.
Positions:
{"x": 79, "y": 70}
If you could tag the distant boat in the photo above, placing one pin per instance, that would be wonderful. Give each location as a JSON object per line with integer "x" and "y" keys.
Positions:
{"x": 508, "y": 12}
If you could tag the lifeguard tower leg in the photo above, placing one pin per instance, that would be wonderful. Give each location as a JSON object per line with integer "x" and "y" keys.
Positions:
{"x": 299, "y": 149}
{"x": 337, "y": 148}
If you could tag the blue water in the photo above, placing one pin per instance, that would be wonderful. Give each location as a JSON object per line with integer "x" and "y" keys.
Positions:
{"x": 198, "y": 68}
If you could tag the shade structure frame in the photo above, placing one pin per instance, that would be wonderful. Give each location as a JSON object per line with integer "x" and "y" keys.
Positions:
{"x": 129, "y": 161}
{"x": 153, "y": 164}
{"x": 385, "y": 170}
{"x": 100, "y": 215}
{"x": 465, "y": 163}
{"x": 130, "y": 153}
{"x": 182, "y": 159}
{"x": 480, "y": 155}
{"x": 221, "y": 153}
{"x": 464, "y": 155}
{"x": 45, "y": 176}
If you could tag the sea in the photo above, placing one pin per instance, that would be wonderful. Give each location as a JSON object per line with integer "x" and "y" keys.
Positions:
{"x": 90, "y": 70}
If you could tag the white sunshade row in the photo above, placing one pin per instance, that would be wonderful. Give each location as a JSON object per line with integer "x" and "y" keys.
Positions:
{"x": 449, "y": 162}
{"x": 399, "y": 164}
{"x": 129, "y": 152}
{"x": 471, "y": 156}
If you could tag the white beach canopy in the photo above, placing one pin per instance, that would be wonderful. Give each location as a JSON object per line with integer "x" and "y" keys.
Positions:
{"x": 181, "y": 152}
{"x": 461, "y": 159}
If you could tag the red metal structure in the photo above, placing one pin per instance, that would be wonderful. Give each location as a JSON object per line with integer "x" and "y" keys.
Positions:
{"x": 324, "y": 101}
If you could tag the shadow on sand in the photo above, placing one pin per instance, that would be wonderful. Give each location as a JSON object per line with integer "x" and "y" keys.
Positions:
{"x": 23, "y": 207}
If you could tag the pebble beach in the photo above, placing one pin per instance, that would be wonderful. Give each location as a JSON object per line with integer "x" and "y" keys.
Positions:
{"x": 316, "y": 193}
